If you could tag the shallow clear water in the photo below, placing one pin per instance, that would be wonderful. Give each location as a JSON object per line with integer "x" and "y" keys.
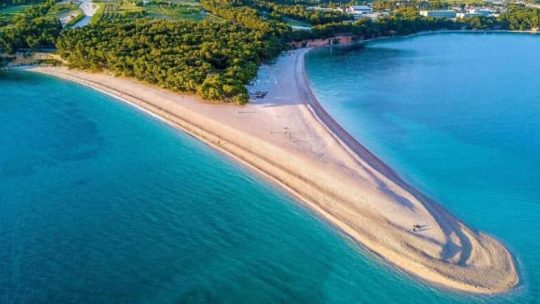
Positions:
{"x": 100, "y": 203}
{"x": 458, "y": 115}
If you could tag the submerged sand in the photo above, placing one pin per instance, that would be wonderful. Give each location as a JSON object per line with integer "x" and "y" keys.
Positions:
{"x": 289, "y": 137}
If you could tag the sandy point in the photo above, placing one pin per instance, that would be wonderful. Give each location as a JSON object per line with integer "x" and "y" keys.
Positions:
{"x": 288, "y": 137}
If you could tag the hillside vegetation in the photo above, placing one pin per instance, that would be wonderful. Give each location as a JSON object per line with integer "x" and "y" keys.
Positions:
{"x": 33, "y": 28}
{"x": 214, "y": 47}
{"x": 212, "y": 59}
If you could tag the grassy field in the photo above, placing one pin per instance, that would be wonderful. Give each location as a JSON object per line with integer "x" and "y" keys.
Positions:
{"x": 171, "y": 10}
{"x": 111, "y": 10}
{"x": 129, "y": 7}
{"x": 60, "y": 10}
{"x": 178, "y": 10}
{"x": 13, "y": 10}
{"x": 294, "y": 22}
{"x": 186, "y": 2}
{"x": 174, "y": 12}
{"x": 119, "y": 9}
{"x": 64, "y": 12}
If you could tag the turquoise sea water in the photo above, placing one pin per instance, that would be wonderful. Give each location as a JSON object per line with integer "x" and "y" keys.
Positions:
{"x": 458, "y": 115}
{"x": 100, "y": 203}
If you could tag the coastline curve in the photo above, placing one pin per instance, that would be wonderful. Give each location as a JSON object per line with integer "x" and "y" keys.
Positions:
{"x": 314, "y": 158}
{"x": 355, "y": 147}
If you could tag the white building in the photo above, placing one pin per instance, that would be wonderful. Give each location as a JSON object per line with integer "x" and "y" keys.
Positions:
{"x": 359, "y": 10}
{"x": 376, "y": 15}
{"x": 484, "y": 12}
{"x": 324, "y": 9}
{"x": 450, "y": 14}
{"x": 468, "y": 15}
{"x": 476, "y": 12}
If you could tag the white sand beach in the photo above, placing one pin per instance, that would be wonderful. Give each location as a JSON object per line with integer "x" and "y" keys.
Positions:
{"x": 289, "y": 138}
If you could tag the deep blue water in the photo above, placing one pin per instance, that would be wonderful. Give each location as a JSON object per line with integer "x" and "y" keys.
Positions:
{"x": 458, "y": 115}
{"x": 100, "y": 203}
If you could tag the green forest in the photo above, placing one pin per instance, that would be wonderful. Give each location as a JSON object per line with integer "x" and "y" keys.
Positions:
{"x": 33, "y": 29}
{"x": 6, "y": 3}
{"x": 298, "y": 12}
{"x": 213, "y": 57}
{"x": 520, "y": 19}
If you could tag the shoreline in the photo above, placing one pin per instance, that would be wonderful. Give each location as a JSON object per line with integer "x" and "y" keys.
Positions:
{"x": 290, "y": 139}
{"x": 356, "y": 147}
{"x": 422, "y": 33}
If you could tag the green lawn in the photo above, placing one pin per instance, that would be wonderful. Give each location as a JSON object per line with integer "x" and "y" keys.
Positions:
{"x": 177, "y": 10}
{"x": 57, "y": 10}
{"x": 13, "y": 10}
{"x": 173, "y": 12}
{"x": 294, "y": 22}
{"x": 62, "y": 9}
{"x": 129, "y": 7}
{"x": 187, "y": 2}
{"x": 110, "y": 10}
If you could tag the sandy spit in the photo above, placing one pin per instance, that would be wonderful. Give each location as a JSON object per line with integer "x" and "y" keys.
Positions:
{"x": 291, "y": 139}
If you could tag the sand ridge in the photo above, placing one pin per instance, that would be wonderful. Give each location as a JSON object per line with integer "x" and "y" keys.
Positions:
{"x": 289, "y": 137}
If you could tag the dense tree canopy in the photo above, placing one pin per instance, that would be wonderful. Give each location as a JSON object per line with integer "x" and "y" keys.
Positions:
{"x": 32, "y": 29}
{"x": 4, "y": 3}
{"x": 299, "y": 12}
{"x": 406, "y": 21}
{"x": 216, "y": 60}
{"x": 520, "y": 18}
{"x": 234, "y": 10}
